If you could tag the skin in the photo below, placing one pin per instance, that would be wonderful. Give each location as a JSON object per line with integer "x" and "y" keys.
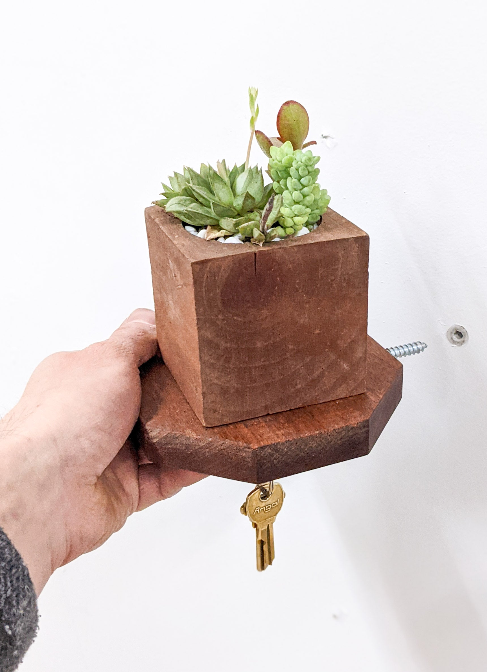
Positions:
{"x": 69, "y": 475}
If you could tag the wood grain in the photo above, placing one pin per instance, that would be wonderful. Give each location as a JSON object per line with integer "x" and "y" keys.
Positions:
{"x": 272, "y": 446}
{"x": 247, "y": 331}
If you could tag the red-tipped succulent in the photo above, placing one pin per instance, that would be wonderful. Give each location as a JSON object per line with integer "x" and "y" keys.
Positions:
{"x": 292, "y": 125}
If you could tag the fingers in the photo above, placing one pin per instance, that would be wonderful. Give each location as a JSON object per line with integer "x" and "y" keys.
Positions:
{"x": 156, "y": 484}
{"x": 137, "y": 336}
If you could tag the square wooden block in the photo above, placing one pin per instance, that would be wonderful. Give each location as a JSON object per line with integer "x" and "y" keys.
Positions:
{"x": 247, "y": 330}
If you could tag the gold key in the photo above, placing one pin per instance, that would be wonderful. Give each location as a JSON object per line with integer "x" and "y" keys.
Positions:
{"x": 262, "y": 506}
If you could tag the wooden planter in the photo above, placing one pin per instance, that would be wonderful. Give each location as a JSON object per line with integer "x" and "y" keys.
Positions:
{"x": 247, "y": 331}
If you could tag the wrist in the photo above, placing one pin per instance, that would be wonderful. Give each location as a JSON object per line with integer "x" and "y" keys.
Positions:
{"x": 28, "y": 498}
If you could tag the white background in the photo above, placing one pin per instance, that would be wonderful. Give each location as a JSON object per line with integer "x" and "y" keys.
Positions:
{"x": 381, "y": 562}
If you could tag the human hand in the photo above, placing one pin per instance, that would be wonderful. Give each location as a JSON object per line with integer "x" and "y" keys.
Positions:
{"x": 69, "y": 476}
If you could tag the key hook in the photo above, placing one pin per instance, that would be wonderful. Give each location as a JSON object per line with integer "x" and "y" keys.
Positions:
{"x": 266, "y": 489}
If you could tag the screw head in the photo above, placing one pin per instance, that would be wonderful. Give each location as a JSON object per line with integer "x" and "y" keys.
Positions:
{"x": 457, "y": 335}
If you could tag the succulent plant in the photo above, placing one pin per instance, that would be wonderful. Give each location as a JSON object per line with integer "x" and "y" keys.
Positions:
{"x": 225, "y": 202}
{"x": 292, "y": 126}
{"x": 236, "y": 204}
{"x": 294, "y": 173}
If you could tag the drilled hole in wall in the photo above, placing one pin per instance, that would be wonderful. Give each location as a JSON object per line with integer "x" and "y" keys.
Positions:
{"x": 457, "y": 335}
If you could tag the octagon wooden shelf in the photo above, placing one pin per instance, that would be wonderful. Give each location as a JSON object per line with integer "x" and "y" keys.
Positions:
{"x": 271, "y": 446}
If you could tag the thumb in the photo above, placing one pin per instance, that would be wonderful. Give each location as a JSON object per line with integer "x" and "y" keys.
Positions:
{"x": 137, "y": 336}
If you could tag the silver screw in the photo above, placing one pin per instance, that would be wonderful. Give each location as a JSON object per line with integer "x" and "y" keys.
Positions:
{"x": 407, "y": 349}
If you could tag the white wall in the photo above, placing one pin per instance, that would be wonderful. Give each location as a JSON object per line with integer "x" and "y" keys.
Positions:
{"x": 381, "y": 562}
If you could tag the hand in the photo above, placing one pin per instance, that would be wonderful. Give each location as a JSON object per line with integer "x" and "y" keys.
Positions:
{"x": 69, "y": 477}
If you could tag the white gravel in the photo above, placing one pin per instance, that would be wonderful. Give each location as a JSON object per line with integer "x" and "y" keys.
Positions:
{"x": 238, "y": 238}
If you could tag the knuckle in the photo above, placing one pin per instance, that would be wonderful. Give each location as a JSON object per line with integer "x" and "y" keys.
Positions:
{"x": 58, "y": 360}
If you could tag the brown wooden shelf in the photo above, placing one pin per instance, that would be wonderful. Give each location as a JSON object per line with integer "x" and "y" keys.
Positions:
{"x": 271, "y": 446}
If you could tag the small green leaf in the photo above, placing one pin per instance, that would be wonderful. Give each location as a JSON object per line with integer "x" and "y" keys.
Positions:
{"x": 255, "y": 186}
{"x": 223, "y": 210}
{"x": 271, "y": 212}
{"x": 220, "y": 188}
{"x": 293, "y": 123}
{"x": 179, "y": 202}
{"x": 257, "y": 237}
{"x": 222, "y": 171}
{"x": 244, "y": 202}
{"x": 201, "y": 194}
{"x": 204, "y": 171}
{"x": 246, "y": 230}
{"x": 190, "y": 211}
{"x": 195, "y": 178}
{"x": 167, "y": 191}
{"x": 242, "y": 181}
{"x": 265, "y": 143}
{"x": 177, "y": 182}
{"x": 233, "y": 175}
{"x": 268, "y": 190}
{"x": 228, "y": 224}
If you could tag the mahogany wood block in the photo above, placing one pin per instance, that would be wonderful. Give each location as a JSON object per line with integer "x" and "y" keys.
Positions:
{"x": 248, "y": 330}
{"x": 272, "y": 446}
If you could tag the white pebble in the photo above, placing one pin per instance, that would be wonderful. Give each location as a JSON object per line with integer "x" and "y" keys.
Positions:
{"x": 191, "y": 229}
{"x": 221, "y": 240}
{"x": 233, "y": 239}
{"x": 302, "y": 231}
{"x": 239, "y": 236}
{"x": 276, "y": 240}
{"x": 315, "y": 226}
{"x": 202, "y": 233}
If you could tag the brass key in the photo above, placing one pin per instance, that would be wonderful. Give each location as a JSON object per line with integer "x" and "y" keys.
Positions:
{"x": 262, "y": 506}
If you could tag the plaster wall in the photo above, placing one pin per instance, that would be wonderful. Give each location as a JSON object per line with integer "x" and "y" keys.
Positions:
{"x": 381, "y": 562}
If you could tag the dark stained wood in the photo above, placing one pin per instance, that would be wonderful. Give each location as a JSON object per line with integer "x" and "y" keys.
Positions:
{"x": 247, "y": 330}
{"x": 274, "y": 445}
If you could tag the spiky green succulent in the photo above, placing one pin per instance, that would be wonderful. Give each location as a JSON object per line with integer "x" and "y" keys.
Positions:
{"x": 224, "y": 202}
{"x": 294, "y": 173}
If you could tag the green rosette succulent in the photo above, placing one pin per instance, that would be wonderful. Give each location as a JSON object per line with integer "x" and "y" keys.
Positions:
{"x": 294, "y": 175}
{"x": 224, "y": 202}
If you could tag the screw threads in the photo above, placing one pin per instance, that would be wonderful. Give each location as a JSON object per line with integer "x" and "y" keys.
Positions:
{"x": 407, "y": 349}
